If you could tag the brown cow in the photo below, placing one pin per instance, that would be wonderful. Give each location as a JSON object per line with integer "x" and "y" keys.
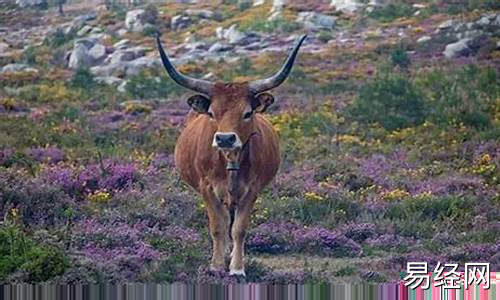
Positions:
{"x": 228, "y": 152}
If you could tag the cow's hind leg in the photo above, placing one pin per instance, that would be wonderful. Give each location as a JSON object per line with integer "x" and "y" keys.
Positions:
{"x": 238, "y": 230}
{"x": 218, "y": 217}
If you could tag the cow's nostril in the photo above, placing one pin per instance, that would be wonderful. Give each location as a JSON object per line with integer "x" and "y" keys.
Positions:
{"x": 217, "y": 138}
{"x": 232, "y": 139}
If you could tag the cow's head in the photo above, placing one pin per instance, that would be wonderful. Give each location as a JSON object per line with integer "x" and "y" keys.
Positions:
{"x": 232, "y": 106}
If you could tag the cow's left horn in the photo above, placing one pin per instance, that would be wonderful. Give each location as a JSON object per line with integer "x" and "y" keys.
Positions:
{"x": 198, "y": 85}
{"x": 263, "y": 85}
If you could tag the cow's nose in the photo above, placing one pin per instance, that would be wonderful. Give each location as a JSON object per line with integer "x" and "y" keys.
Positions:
{"x": 225, "y": 140}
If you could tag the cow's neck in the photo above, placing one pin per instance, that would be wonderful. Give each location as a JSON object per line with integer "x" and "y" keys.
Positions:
{"x": 234, "y": 175}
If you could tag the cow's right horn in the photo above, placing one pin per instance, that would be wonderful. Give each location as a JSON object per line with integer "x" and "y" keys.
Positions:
{"x": 263, "y": 85}
{"x": 198, "y": 85}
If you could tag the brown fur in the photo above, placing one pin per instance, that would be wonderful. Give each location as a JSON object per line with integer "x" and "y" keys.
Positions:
{"x": 204, "y": 167}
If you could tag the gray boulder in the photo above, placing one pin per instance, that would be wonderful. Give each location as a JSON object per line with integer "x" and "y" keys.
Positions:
{"x": 180, "y": 22}
{"x": 457, "y": 49}
{"x": 79, "y": 57}
{"x": 15, "y": 68}
{"x": 28, "y": 3}
{"x": 220, "y": 47}
{"x": 97, "y": 52}
{"x": 138, "y": 19}
{"x": 117, "y": 70}
{"x": 109, "y": 80}
{"x": 137, "y": 65}
{"x": 314, "y": 20}
{"x": 200, "y": 13}
{"x": 347, "y": 6}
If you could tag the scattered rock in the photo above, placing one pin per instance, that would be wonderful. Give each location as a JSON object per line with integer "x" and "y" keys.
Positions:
{"x": 220, "y": 47}
{"x": 347, "y": 6}
{"x": 137, "y": 65}
{"x": 122, "y": 88}
{"x": 424, "y": 39}
{"x": 28, "y": 3}
{"x": 109, "y": 80}
{"x": 97, "y": 52}
{"x": 314, "y": 20}
{"x": 200, "y": 13}
{"x": 14, "y": 68}
{"x": 136, "y": 20}
{"x": 484, "y": 21}
{"x": 180, "y": 22}
{"x": 446, "y": 25}
{"x": 236, "y": 37}
{"x": 121, "y": 56}
{"x": 122, "y": 44}
{"x": 459, "y": 48}
{"x": 3, "y": 47}
{"x": 84, "y": 30}
{"x": 258, "y": 2}
{"x": 79, "y": 57}
{"x": 117, "y": 70}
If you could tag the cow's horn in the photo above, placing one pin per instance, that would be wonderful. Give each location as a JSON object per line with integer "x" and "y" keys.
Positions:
{"x": 198, "y": 85}
{"x": 263, "y": 85}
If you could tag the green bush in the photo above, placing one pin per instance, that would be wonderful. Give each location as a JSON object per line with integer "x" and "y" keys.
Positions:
{"x": 83, "y": 79}
{"x": 391, "y": 100}
{"x": 144, "y": 86}
{"x": 19, "y": 253}
{"x": 392, "y": 12}
{"x": 29, "y": 55}
{"x": 466, "y": 96}
{"x": 58, "y": 38}
{"x": 399, "y": 57}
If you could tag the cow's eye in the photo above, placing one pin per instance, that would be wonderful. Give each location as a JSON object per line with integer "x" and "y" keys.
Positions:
{"x": 210, "y": 114}
{"x": 247, "y": 115}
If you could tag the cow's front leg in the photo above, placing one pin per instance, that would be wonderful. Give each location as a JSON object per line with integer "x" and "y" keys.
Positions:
{"x": 218, "y": 217}
{"x": 238, "y": 230}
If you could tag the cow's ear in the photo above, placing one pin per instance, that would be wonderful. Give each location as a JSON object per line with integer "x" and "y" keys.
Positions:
{"x": 199, "y": 103}
{"x": 262, "y": 101}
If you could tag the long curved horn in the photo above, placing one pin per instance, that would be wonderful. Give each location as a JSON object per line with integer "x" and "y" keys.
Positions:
{"x": 198, "y": 85}
{"x": 263, "y": 85}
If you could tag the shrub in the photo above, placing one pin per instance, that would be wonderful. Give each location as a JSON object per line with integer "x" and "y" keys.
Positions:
{"x": 19, "y": 253}
{"x": 58, "y": 38}
{"x": 83, "y": 79}
{"x": 391, "y": 100}
{"x": 399, "y": 57}
{"x": 392, "y": 12}
{"x": 467, "y": 95}
{"x": 144, "y": 86}
{"x": 29, "y": 55}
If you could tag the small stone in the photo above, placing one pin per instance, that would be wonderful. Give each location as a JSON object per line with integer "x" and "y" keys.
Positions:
{"x": 424, "y": 39}
{"x": 84, "y": 30}
{"x": 446, "y": 25}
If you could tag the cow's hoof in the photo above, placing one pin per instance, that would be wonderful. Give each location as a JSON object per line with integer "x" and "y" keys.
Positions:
{"x": 240, "y": 272}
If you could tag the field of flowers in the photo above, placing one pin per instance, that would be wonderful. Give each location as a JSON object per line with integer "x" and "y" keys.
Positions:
{"x": 390, "y": 154}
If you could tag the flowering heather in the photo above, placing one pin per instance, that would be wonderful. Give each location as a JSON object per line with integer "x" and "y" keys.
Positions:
{"x": 123, "y": 251}
{"x": 321, "y": 240}
{"x": 111, "y": 176}
{"x": 359, "y": 232}
{"x": 390, "y": 242}
{"x": 271, "y": 237}
{"x": 6, "y": 156}
{"x": 50, "y": 154}
{"x": 284, "y": 237}
{"x": 445, "y": 185}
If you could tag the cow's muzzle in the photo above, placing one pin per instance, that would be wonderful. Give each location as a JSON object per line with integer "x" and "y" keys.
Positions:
{"x": 226, "y": 141}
